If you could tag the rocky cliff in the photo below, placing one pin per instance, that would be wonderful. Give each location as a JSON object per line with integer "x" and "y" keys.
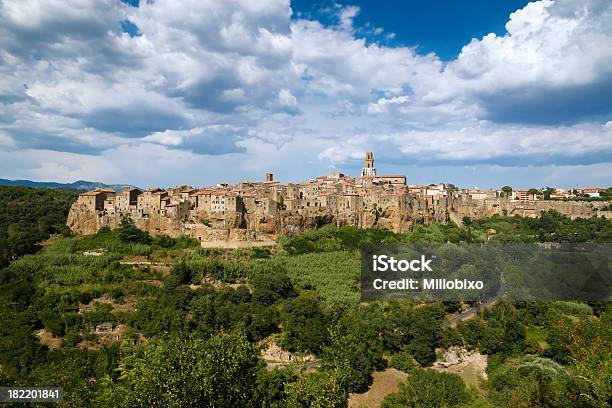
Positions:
{"x": 257, "y": 225}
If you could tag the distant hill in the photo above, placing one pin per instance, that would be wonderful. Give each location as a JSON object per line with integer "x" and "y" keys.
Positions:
{"x": 77, "y": 185}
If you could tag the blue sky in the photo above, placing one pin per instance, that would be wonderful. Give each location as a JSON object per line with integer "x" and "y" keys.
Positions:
{"x": 440, "y": 26}
{"x": 475, "y": 93}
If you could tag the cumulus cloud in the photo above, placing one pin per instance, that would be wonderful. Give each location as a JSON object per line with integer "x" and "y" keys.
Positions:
{"x": 484, "y": 143}
{"x": 336, "y": 64}
{"x": 346, "y": 16}
{"x": 554, "y": 65}
{"x": 210, "y": 81}
{"x": 211, "y": 140}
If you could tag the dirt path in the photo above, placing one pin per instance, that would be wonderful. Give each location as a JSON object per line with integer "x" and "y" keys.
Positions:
{"x": 236, "y": 244}
{"x": 385, "y": 382}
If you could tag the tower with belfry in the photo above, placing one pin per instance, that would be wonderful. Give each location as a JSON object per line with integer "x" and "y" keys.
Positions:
{"x": 369, "y": 169}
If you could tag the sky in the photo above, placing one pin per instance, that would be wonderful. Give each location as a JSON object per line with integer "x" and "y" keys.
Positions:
{"x": 165, "y": 92}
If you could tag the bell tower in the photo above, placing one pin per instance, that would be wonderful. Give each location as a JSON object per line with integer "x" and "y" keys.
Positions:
{"x": 368, "y": 169}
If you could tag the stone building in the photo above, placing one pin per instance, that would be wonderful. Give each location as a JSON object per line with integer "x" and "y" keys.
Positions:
{"x": 250, "y": 210}
{"x": 94, "y": 200}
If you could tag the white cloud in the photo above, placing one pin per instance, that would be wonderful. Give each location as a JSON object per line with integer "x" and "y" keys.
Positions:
{"x": 285, "y": 99}
{"x": 214, "y": 80}
{"x": 339, "y": 64}
{"x": 346, "y": 16}
{"x": 482, "y": 143}
{"x": 5, "y": 140}
{"x": 379, "y": 106}
{"x": 549, "y": 47}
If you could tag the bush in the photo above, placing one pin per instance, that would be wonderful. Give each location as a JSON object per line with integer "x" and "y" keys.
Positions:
{"x": 304, "y": 324}
{"x": 427, "y": 389}
{"x": 530, "y": 381}
{"x": 129, "y": 232}
{"x": 332, "y": 238}
{"x": 85, "y": 298}
{"x": 270, "y": 286}
{"x": 183, "y": 241}
{"x": 218, "y": 372}
{"x": 181, "y": 274}
{"x": 404, "y": 361}
{"x": 140, "y": 249}
{"x": 117, "y": 293}
{"x": 260, "y": 253}
{"x": 180, "y": 242}
{"x": 163, "y": 241}
{"x": 319, "y": 389}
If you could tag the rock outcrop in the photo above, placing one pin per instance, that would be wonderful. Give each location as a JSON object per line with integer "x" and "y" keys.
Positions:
{"x": 258, "y": 225}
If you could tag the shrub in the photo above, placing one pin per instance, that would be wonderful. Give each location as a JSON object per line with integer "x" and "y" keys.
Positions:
{"x": 117, "y": 293}
{"x": 271, "y": 286}
{"x": 428, "y": 388}
{"x": 163, "y": 241}
{"x": 260, "y": 253}
{"x": 304, "y": 324}
{"x": 84, "y": 298}
{"x": 405, "y": 362}
{"x": 129, "y": 232}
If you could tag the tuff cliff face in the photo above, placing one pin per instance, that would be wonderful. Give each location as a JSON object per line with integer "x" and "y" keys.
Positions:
{"x": 257, "y": 225}
{"x": 238, "y": 226}
{"x": 82, "y": 221}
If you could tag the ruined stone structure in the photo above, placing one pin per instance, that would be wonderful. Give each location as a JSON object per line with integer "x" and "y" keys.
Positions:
{"x": 252, "y": 211}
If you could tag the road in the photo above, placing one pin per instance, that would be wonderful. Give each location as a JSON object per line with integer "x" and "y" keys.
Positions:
{"x": 484, "y": 305}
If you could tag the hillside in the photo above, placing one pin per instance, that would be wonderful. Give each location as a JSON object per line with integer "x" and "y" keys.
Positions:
{"x": 29, "y": 216}
{"x": 110, "y": 316}
{"x": 77, "y": 185}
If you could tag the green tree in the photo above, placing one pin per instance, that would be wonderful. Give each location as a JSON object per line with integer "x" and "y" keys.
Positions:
{"x": 404, "y": 361}
{"x": 533, "y": 191}
{"x": 530, "y": 381}
{"x": 30, "y": 215}
{"x": 271, "y": 387}
{"x": 467, "y": 221}
{"x": 271, "y": 285}
{"x": 322, "y": 389}
{"x": 130, "y": 233}
{"x": 219, "y": 372}
{"x": 429, "y": 389}
{"x": 304, "y": 325}
{"x": 355, "y": 357}
{"x": 548, "y": 191}
{"x": 425, "y": 332}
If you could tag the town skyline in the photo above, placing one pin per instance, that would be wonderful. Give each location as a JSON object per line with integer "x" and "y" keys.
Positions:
{"x": 370, "y": 177}
{"x": 258, "y": 210}
{"x": 353, "y": 171}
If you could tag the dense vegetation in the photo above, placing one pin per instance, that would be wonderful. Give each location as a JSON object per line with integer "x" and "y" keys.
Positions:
{"x": 121, "y": 318}
{"x": 29, "y": 216}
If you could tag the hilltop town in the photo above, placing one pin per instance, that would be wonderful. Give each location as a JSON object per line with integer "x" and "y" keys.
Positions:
{"x": 258, "y": 211}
